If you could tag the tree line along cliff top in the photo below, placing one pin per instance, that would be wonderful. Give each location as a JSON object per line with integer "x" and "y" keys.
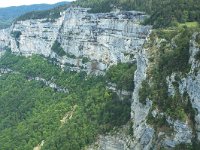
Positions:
{"x": 163, "y": 13}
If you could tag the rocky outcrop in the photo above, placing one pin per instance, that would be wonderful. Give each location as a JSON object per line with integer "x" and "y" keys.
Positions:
{"x": 49, "y": 84}
{"x": 39, "y": 79}
{"x": 117, "y": 140}
{"x": 182, "y": 134}
{"x": 142, "y": 133}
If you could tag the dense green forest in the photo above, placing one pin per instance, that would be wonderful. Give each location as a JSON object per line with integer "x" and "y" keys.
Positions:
{"x": 32, "y": 112}
{"x": 162, "y": 13}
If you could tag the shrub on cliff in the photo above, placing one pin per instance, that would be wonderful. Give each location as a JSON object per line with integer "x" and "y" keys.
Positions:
{"x": 58, "y": 49}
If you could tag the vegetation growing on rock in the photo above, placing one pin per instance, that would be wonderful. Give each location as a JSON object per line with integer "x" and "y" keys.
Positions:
{"x": 16, "y": 35}
{"x": 169, "y": 51}
{"x": 58, "y": 49}
{"x": 122, "y": 75}
{"x": 171, "y": 55}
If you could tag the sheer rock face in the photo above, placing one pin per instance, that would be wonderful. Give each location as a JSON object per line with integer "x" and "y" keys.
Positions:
{"x": 35, "y": 36}
{"x": 104, "y": 39}
{"x": 4, "y": 40}
{"x": 143, "y": 133}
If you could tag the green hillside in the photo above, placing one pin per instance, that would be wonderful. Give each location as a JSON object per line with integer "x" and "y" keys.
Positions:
{"x": 9, "y": 14}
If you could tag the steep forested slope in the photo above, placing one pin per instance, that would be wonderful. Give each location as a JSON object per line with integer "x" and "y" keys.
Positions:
{"x": 32, "y": 112}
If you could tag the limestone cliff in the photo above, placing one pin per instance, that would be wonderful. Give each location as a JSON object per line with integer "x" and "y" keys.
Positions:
{"x": 90, "y": 41}
{"x": 94, "y": 42}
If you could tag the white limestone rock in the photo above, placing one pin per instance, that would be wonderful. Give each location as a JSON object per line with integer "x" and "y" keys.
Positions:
{"x": 4, "y": 39}
{"x": 105, "y": 39}
{"x": 37, "y": 36}
{"x": 143, "y": 133}
{"x": 170, "y": 80}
